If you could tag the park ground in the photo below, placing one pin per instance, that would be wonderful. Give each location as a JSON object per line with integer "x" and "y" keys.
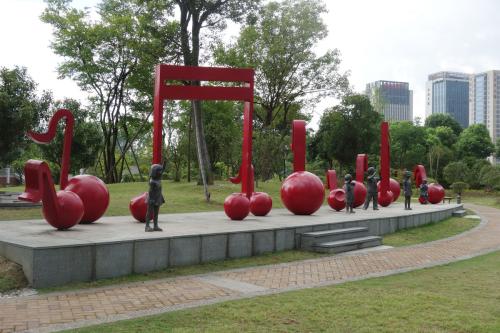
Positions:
{"x": 458, "y": 297}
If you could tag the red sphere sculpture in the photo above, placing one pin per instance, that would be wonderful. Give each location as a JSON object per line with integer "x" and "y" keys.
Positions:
{"x": 138, "y": 207}
{"x": 385, "y": 199}
{"x": 436, "y": 193}
{"x": 237, "y": 206}
{"x": 394, "y": 187}
{"x": 336, "y": 199}
{"x": 73, "y": 211}
{"x": 94, "y": 195}
{"x": 302, "y": 193}
{"x": 260, "y": 203}
{"x": 359, "y": 194}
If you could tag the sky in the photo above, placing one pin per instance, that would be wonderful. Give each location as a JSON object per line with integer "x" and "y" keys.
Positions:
{"x": 379, "y": 40}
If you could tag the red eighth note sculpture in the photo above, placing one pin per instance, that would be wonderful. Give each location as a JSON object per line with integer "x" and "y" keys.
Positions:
{"x": 302, "y": 192}
{"x": 435, "y": 191}
{"x": 82, "y": 199}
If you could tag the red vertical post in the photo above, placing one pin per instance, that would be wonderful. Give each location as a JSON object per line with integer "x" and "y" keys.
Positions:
{"x": 385, "y": 161}
{"x": 157, "y": 117}
{"x": 361, "y": 167}
{"x": 299, "y": 145}
{"x": 246, "y": 152}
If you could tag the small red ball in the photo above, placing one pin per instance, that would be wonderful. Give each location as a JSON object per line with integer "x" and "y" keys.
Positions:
{"x": 302, "y": 193}
{"x": 94, "y": 195}
{"x": 436, "y": 193}
{"x": 359, "y": 194}
{"x": 237, "y": 206}
{"x": 138, "y": 207}
{"x": 71, "y": 208}
{"x": 385, "y": 199}
{"x": 260, "y": 203}
{"x": 336, "y": 199}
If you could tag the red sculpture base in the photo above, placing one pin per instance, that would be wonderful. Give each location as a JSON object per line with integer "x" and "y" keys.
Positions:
{"x": 336, "y": 199}
{"x": 237, "y": 206}
{"x": 73, "y": 211}
{"x": 385, "y": 199}
{"x": 260, "y": 203}
{"x": 302, "y": 193}
{"x": 394, "y": 187}
{"x": 94, "y": 195}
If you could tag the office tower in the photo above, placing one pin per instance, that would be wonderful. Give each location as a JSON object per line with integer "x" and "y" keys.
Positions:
{"x": 395, "y": 97}
{"x": 448, "y": 92}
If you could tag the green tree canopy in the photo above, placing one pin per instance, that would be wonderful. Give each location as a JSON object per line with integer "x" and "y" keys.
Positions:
{"x": 474, "y": 142}
{"x": 443, "y": 119}
{"x": 407, "y": 145}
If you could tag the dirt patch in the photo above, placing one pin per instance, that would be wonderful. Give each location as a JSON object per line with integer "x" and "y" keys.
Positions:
{"x": 11, "y": 275}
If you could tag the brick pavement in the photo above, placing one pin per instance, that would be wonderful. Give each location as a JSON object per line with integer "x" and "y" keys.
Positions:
{"x": 56, "y": 311}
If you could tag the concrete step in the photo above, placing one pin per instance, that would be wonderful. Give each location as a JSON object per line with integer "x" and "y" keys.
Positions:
{"x": 309, "y": 239}
{"x": 348, "y": 244}
{"x": 459, "y": 213}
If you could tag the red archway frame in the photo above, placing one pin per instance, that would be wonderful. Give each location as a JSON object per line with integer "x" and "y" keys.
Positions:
{"x": 165, "y": 91}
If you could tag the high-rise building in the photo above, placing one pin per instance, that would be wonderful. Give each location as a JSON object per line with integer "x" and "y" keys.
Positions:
{"x": 448, "y": 92}
{"x": 396, "y": 98}
{"x": 484, "y": 105}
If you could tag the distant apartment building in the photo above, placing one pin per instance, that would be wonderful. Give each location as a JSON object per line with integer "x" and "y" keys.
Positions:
{"x": 448, "y": 92}
{"x": 396, "y": 98}
{"x": 484, "y": 101}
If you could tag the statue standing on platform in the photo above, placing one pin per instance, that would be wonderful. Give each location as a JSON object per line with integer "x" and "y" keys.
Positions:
{"x": 349, "y": 194}
{"x": 155, "y": 197}
{"x": 371, "y": 185}
{"x": 407, "y": 190}
{"x": 424, "y": 192}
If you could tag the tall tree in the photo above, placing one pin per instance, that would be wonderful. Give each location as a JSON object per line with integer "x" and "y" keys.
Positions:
{"x": 407, "y": 145}
{"x": 111, "y": 58}
{"x": 280, "y": 44}
{"x": 443, "y": 119}
{"x": 348, "y": 129}
{"x": 20, "y": 110}
{"x": 474, "y": 142}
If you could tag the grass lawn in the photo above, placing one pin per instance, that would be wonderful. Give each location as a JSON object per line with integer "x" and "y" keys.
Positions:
{"x": 430, "y": 232}
{"x": 459, "y": 297}
{"x": 180, "y": 197}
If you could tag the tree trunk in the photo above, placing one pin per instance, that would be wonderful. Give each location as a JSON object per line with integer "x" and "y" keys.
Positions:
{"x": 201, "y": 148}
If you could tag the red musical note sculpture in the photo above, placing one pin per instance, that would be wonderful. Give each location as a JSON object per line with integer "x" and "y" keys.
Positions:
{"x": 302, "y": 192}
{"x": 385, "y": 195}
{"x": 336, "y": 197}
{"x": 91, "y": 191}
{"x": 435, "y": 191}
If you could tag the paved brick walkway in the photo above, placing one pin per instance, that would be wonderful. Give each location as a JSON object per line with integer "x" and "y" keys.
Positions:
{"x": 56, "y": 311}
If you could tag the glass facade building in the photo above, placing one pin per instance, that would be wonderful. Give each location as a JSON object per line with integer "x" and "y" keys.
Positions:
{"x": 396, "y": 98}
{"x": 448, "y": 92}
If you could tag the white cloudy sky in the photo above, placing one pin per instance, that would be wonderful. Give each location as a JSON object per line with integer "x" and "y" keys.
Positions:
{"x": 379, "y": 40}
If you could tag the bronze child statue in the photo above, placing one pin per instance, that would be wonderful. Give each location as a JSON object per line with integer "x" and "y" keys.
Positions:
{"x": 371, "y": 185}
{"x": 349, "y": 194}
{"x": 424, "y": 192}
{"x": 155, "y": 197}
{"x": 407, "y": 189}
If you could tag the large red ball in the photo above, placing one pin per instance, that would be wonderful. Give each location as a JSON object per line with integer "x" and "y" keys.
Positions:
{"x": 394, "y": 187}
{"x": 138, "y": 207}
{"x": 385, "y": 199}
{"x": 237, "y": 206}
{"x": 336, "y": 199}
{"x": 94, "y": 195}
{"x": 260, "y": 204}
{"x": 302, "y": 193}
{"x": 436, "y": 193}
{"x": 70, "y": 208}
{"x": 359, "y": 194}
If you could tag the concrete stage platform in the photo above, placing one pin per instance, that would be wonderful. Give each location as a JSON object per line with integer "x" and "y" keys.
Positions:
{"x": 117, "y": 246}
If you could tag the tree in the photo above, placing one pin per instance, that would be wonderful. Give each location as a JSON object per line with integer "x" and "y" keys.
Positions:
{"x": 280, "y": 44}
{"x": 20, "y": 110}
{"x": 455, "y": 172}
{"x": 87, "y": 139}
{"x": 347, "y": 129}
{"x": 490, "y": 177}
{"x": 497, "y": 148}
{"x": 443, "y": 119}
{"x": 407, "y": 145}
{"x": 474, "y": 142}
{"x": 111, "y": 58}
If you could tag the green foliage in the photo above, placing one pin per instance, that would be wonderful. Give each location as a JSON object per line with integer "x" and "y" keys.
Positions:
{"x": 489, "y": 177}
{"x": 459, "y": 187}
{"x": 474, "y": 142}
{"x": 20, "y": 111}
{"x": 347, "y": 129}
{"x": 472, "y": 174}
{"x": 407, "y": 145}
{"x": 455, "y": 172}
{"x": 443, "y": 119}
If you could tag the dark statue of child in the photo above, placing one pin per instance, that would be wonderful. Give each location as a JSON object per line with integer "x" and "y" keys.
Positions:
{"x": 407, "y": 189}
{"x": 349, "y": 194}
{"x": 371, "y": 186}
{"x": 424, "y": 192}
{"x": 155, "y": 197}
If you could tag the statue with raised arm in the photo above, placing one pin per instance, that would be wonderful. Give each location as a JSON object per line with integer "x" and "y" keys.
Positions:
{"x": 154, "y": 198}
{"x": 349, "y": 194}
{"x": 371, "y": 186}
{"x": 407, "y": 189}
